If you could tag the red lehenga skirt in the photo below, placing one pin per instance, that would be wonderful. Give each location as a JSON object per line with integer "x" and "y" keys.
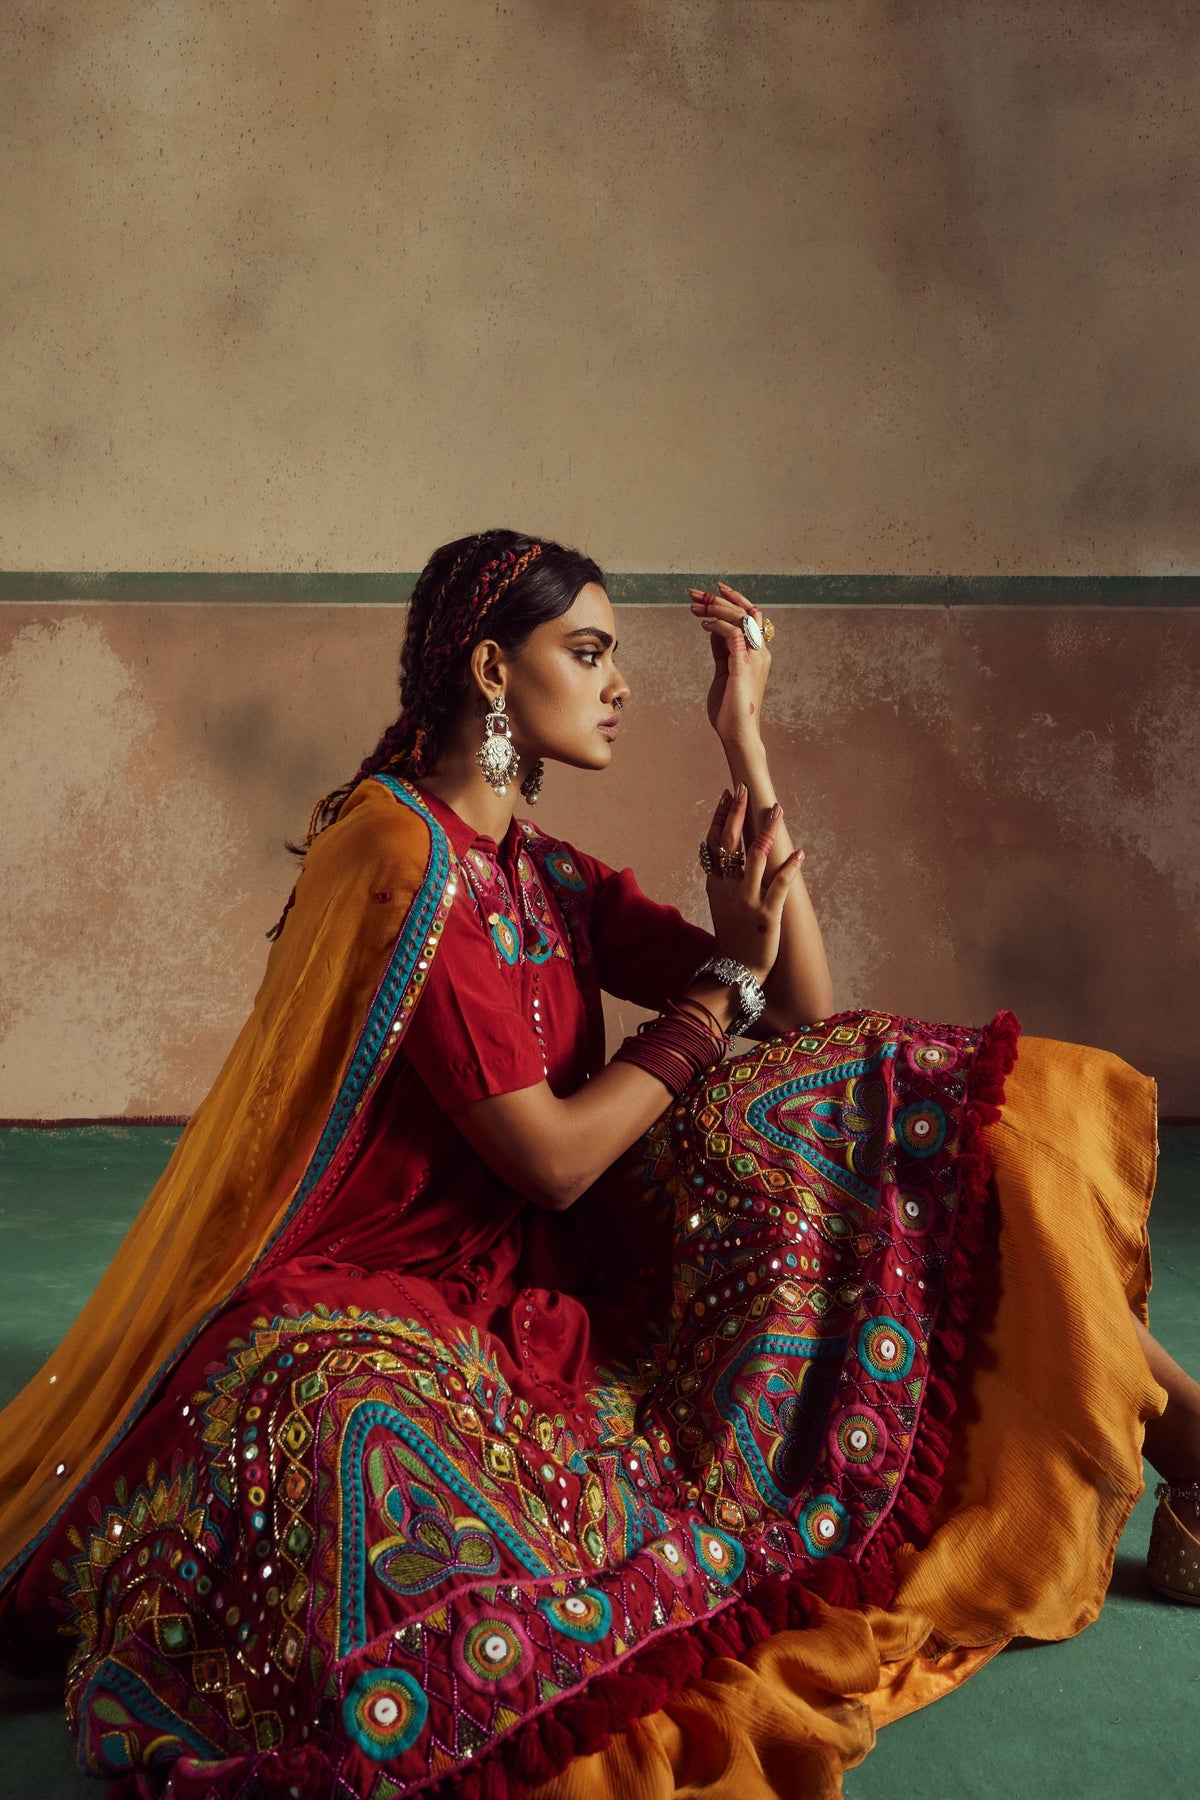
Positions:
{"x": 862, "y": 1400}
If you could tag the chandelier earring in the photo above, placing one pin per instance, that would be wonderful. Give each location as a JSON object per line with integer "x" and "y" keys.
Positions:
{"x": 531, "y": 787}
{"x": 497, "y": 755}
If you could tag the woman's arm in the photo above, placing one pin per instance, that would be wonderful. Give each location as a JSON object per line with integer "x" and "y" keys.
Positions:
{"x": 551, "y": 1150}
{"x": 799, "y": 988}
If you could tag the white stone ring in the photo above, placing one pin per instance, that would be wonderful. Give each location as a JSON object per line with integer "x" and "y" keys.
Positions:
{"x": 757, "y": 635}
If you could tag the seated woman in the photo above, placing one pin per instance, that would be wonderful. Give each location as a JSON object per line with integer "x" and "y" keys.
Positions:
{"x": 466, "y": 1412}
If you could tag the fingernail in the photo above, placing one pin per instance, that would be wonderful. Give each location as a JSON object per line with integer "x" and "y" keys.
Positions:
{"x": 741, "y": 790}
{"x": 776, "y": 810}
{"x": 726, "y": 797}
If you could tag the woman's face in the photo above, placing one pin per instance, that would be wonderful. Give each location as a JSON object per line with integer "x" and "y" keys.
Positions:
{"x": 562, "y": 688}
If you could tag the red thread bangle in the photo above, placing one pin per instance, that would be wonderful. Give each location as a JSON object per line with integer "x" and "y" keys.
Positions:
{"x": 675, "y": 1049}
{"x": 718, "y": 1029}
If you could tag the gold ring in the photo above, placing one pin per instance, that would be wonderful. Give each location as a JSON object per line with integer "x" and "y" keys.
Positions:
{"x": 768, "y": 630}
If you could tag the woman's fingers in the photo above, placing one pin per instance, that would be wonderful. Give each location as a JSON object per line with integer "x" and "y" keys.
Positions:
{"x": 759, "y": 848}
{"x": 735, "y": 819}
{"x": 776, "y": 890}
{"x": 727, "y": 604}
{"x": 730, "y": 593}
{"x": 713, "y": 607}
{"x": 724, "y": 628}
{"x": 728, "y": 820}
{"x": 727, "y": 640}
{"x": 720, "y": 814}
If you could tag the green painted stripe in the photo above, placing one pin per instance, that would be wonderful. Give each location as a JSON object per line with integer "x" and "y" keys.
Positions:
{"x": 275, "y": 588}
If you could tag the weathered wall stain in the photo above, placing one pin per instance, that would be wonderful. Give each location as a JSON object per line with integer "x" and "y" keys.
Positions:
{"x": 874, "y": 287}
{"x": 121, "y": 878}
{"x": 998, "y": 808}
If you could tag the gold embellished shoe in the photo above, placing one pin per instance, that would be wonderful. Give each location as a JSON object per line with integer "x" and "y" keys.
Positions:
{"x": 1173, "y": 1560}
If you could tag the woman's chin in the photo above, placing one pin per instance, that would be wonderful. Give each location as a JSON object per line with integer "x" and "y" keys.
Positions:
{"x": 588, "y": 756}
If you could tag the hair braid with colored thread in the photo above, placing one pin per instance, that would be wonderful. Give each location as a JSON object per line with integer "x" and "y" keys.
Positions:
{"x": 427, "y": 692}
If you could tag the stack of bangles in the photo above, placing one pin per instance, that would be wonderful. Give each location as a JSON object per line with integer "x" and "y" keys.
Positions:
{"x": 678, "y": 1046}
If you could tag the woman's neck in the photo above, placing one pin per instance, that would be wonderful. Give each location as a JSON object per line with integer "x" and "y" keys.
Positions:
{"x": 459, "y": 784}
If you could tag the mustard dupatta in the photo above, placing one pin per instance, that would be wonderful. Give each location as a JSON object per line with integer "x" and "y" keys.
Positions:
{"x": 342, "y": 981}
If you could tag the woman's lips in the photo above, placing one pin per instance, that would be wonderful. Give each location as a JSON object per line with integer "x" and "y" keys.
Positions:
{"x": 609, "y": 727}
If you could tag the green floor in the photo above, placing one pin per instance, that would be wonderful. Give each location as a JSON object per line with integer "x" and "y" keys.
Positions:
{"x": 1115, "y": 1713}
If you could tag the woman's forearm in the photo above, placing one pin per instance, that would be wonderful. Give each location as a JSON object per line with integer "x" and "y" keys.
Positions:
{"x": 551, "y": 1150}
{"x": 799, "y": 988}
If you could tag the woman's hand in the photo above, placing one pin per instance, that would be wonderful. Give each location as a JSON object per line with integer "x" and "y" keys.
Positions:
{"x": 746, "y": 907}
{"x": 739, "y": 681}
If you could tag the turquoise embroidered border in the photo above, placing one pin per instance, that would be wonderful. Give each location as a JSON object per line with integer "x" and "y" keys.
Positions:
{"x": 770, "y": 1344}
{"x": 386, "y": 1004}
{"x": 113, "y": 1678}
{"x": 352, "y": 1625}
{"x": 757, "y": 1110}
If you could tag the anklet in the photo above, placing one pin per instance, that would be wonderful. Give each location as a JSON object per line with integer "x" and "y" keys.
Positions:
{"x": 1178, "y": 1490}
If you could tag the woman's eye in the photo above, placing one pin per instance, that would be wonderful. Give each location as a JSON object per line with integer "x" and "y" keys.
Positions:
{"x": 590, "y": 657}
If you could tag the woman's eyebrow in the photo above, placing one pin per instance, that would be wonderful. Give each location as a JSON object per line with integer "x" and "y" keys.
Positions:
{"x": 594, "y": 631}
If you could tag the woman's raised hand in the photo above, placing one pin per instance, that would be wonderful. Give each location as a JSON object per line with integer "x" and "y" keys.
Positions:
{"x": 747, "y": 909}
{"x": 735, "y": 695}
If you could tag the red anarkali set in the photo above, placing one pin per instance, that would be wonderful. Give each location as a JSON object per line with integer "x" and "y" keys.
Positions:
{"x": 362, "y": 1477}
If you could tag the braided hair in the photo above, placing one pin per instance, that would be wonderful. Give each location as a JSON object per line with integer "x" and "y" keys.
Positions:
{"x": 496, "y": 584}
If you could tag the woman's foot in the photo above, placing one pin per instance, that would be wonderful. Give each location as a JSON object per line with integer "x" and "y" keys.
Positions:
{"x": 1173, "y": 1560}
{"x": 1173, "y": 1446}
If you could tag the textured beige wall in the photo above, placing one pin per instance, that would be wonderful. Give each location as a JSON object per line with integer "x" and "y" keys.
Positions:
{"x": 736, "y": 283}
{"x": 1001, "y": 807}
{"x": 725, "y": 284}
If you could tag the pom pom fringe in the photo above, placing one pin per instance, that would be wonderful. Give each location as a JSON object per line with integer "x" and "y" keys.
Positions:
{"x": 543, "y": 1746}
{"x": 911, "y": 1517}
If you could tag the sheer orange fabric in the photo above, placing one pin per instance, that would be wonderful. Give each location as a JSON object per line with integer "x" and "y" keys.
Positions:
{"x": 236, "y": 1166}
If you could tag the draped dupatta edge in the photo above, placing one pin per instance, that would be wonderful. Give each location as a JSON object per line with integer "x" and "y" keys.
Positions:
{"x": 342, "y": 981}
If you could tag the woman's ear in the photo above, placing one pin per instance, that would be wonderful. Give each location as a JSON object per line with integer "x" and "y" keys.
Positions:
{"x": 487, "y": 668}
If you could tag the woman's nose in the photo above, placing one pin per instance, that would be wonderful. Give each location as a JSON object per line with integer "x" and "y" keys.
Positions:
{"x": 617, "y": 688}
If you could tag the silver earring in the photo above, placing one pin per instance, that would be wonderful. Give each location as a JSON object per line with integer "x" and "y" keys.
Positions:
{"x": 531, "y": 787}
{"x": 497, "y": 755}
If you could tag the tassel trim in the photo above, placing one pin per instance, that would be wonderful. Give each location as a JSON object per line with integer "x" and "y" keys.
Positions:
{"x": 910, "y": 1520}
{"x": 536, "y": 1750}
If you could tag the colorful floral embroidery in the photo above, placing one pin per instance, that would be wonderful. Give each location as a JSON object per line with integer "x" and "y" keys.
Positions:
{"x": 370, "y": 1547}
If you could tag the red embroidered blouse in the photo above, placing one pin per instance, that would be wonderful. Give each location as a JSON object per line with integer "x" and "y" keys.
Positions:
{"x": 537, "y": 931}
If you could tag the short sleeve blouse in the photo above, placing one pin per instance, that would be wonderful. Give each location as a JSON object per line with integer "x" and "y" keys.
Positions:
{"x": 536, "y": 932}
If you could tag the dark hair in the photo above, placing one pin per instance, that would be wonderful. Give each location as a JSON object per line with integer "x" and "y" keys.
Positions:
{"x": 496, "y": 584}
